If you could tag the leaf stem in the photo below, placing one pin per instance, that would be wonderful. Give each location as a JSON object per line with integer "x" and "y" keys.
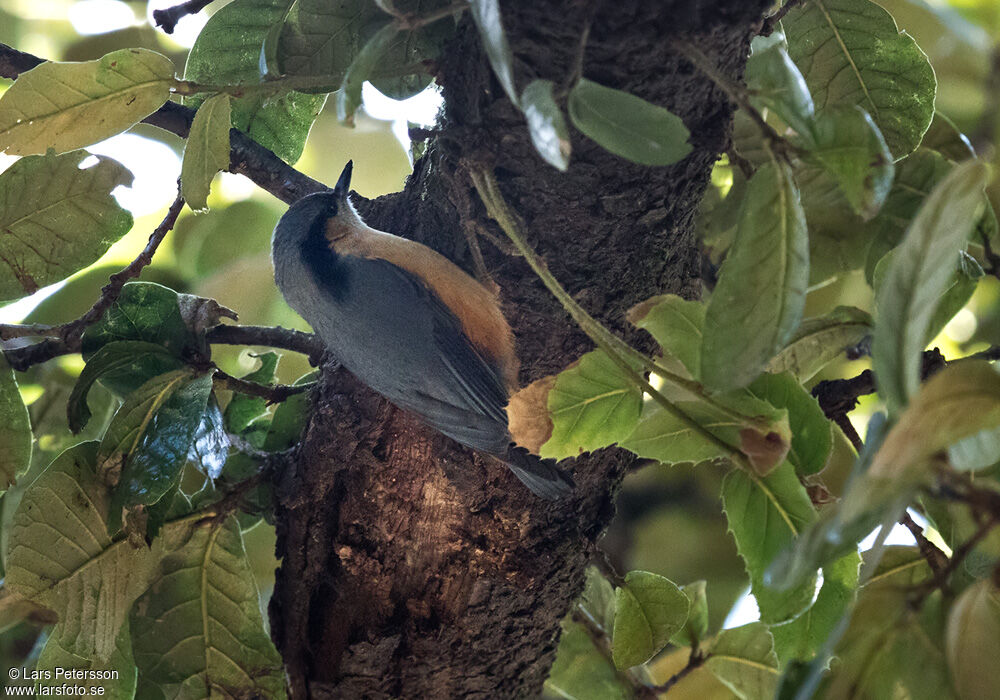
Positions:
{"x": 620, "y": 352}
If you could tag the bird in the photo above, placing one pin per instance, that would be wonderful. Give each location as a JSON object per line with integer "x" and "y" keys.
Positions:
{"x": 408, "y": 323}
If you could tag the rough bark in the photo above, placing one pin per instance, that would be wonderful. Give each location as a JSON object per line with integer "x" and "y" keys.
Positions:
{"x": 411, "y": 567}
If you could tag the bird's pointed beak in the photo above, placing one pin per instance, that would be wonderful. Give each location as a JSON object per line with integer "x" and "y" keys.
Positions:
{"x": 343, "y": 185}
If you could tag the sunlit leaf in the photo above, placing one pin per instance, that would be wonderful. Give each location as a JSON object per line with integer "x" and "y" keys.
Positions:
{"x": 70, "y": 105}
{"x": 921, "y": 268}
{"x": 57, "y": 218}
{"x": 114, "y": 679}
{"x": 592, "y": 405}
{"x": 206, "y": 151}
{"x": 199, "y": 626}
{"x": 758, "y": 301}
{"x": 627, "y": 125}
{"x": 676, "y": 324}
{"x": 956, "y": 403}
{"x": 696, "y": 627}
{"x": 243, "y": 409}
{"x": 852, "y": 53}
{"x": 546, "y": 123}
{"x": 290, "y": 418}
{"x": 973, "y": 641}
{"x": 892, "y": 646}
{"x": 819, "y": 341}
{"x": 61, "y": 555}
{"x": 743, "y": 659}
{"x": 765, "y": 514}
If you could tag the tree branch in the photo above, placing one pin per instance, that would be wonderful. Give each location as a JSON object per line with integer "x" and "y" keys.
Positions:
{"x": 167, "y": 19}
{"x": 246, "y": 156}
{"x": 272, "y": 394}
{"x": 273, "y": 337}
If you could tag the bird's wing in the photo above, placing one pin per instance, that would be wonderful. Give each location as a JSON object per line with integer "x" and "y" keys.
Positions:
{"x": 476, "y": 384}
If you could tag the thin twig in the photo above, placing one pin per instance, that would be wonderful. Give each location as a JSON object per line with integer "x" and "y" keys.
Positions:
{"x": 695, "y": 660}
{"x": 273, "y": 394}
{"x": 935, "y": 558}
{"x": 66, "y": 337}
{"x": 770, "y": 23}
{"x": 576, "y": 72}
{"x": 167, "y": 19}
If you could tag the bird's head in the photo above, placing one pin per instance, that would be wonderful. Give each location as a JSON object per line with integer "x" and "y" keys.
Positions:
{"x": 311, "y": 215}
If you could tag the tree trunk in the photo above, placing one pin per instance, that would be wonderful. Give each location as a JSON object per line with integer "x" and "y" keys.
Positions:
{"x": 412, "y": 567}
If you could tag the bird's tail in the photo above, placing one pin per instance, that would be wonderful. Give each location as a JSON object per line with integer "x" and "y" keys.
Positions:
{"x": 542, "y": 476}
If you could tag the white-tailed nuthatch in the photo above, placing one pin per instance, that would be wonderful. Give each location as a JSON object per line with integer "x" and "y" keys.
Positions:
{"x": 409, "y": 323}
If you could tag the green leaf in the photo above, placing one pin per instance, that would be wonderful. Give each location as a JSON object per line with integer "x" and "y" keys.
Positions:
{"x": 290, "y": 418}
{"x": 757, "y": 304}
{"x": 62, "y": 557}
{"x": 973, "y": 641}
{"x": 627, "y": 125}
{"x": 916, "y": 176}
{"x": 117, "y": 364}
{"x": 945, "y": 138}
{"x": 598, "y": 600}
{"x": 812, "y": 440}
{"x": 15, "y": 429}
{"x": 891, "y": 649}
{"x": 819, "y": 341}
{"x": 804, "y": 637}
{"x": 848, "y": 145}
{"x": 921, "y": 268}
{"x": 69, "y": 105}
{"x": 57, "y": 217}
{"x": 228, "y": 51}
{"x": 649, "y": 610}
{"x": 486, "y": 15}
{"x": 976, "y": 452}
{"x": 662, "y": 436}
{"x": 592, "y": 405}
{"x": 144, "y": 311}
{"x": 403, "y": 72}
{"x": 957, "y": 295}
{"x": 696, "y": 627}
{"x": 57, "y": 660}
{"x": 852, "y": 53}
{"x": 206, "y": 151}
{"x": 243, "y": 409}
{"x": 148, "y": 440}
{"x": 546, "y": 123}
{"x": 956, "y": 403}
{"x": 348, "y": 98}
{"x": 776, "y": 83}
{"x": 581, "y": 671}
{"x": 320, "y": 38}
{"x": 765, "y": 515}
{"x": 743, "y": 659}
{"x": 198, "y": 629}
{"x": 676, "y": 324}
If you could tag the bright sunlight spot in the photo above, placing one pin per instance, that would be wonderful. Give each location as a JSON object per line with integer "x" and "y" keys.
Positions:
{"x": 154, "y": 165}
{"x": 962, "y": 327}
{"x": 100, "y": 16}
